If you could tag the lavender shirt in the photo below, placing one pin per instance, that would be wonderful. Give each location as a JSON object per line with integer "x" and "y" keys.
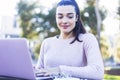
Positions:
{"x": 80, "y": 59}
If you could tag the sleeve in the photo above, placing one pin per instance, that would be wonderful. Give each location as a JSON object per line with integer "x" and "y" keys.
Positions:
{"x": 40, "y": 63}
{"x": 94, "y": 68}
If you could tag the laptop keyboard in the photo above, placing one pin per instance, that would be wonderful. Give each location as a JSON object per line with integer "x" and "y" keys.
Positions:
{"x": 43, "y": 77}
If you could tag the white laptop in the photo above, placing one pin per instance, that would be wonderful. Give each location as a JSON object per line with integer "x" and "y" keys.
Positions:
{"x": 15, "y": 59}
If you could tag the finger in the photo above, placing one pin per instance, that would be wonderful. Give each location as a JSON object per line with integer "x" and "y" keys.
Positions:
{"x": 39, "y": 75}
{"x": 46, "y": 74}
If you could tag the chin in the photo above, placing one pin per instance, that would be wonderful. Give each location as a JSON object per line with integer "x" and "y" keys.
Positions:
{"x": 67, "y": 31}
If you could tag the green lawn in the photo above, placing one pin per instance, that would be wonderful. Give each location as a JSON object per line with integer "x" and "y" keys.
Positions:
{"x": 111, "y": 77}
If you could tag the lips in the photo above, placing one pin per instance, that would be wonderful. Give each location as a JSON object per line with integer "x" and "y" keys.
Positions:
{"x": 65, "y": 26}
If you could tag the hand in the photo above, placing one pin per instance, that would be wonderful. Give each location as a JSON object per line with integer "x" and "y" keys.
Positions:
{"x": 41, "y": 72}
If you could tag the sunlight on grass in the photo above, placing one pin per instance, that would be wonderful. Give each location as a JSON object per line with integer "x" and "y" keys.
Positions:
{"x": 111, "y": 77}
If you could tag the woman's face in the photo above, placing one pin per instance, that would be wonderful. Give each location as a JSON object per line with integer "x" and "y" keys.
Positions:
{"x": 66, "y": 18}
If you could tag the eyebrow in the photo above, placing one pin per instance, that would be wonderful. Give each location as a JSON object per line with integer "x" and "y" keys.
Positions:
{"x": 67, "y": 13}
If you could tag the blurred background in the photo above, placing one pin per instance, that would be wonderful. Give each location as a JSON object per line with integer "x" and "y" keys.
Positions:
{"x": 35, "y": 21}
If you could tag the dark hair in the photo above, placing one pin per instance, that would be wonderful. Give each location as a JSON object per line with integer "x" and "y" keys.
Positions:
{"x": 78, "y": 27}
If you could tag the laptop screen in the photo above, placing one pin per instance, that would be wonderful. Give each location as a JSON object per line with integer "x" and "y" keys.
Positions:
{"x": 15, "y": 58}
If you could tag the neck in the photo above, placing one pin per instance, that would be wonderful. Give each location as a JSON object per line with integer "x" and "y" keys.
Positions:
{"x": 66, "y": 35}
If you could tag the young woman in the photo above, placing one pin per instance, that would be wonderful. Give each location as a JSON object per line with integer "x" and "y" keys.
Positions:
{"x": 74, "y": 52}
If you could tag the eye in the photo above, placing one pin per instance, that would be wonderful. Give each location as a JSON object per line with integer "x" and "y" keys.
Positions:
{"x": 70, "y": 16}
{"x": 59, "y": 16}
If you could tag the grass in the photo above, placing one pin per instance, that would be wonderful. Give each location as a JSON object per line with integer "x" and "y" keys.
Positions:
{"x": 111, "y": 77}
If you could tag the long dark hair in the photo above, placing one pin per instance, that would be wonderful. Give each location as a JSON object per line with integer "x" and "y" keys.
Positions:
{"x": 78, "y": 27}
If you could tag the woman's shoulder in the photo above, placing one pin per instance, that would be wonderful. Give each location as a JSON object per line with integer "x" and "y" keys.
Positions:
{"x": 89, "y": 39}
{"x": 87, "y": 36}
{"x": 50, "y": 39}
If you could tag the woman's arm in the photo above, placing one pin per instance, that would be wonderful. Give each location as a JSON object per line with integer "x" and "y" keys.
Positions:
{"x": 94, "y": 68}
{"x": 40, "y": 62}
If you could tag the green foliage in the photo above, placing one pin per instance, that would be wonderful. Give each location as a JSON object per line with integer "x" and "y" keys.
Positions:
{"x": 104, "y": 46}
{"x": 25, "y": 10}
{"x": 91, "y": 19}
{"x": 48, "y": 22}
{"x": 37, "y": 49}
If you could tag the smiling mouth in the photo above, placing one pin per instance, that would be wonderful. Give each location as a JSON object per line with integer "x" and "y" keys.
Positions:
{"x": 65, "y": 26}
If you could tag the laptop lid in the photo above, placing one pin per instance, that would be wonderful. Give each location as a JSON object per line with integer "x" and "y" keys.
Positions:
{"x": 15, "y": 59}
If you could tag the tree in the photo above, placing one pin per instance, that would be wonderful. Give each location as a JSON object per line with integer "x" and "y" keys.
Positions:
{"x": 99, "y": 22}
{"x": 48, "y": 23}
{"x": 105, "y": 49}
{"x": 93, "y": 16}
{"x": 35, "y": 23}
{"x": 25, "y": 12}
{"x": 118, "y": 11}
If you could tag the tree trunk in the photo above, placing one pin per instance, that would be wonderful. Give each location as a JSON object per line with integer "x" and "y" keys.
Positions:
{"x": 98, "y": 20}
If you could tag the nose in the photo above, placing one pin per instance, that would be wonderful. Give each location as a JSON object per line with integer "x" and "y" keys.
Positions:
{"x": 64, "y": 20}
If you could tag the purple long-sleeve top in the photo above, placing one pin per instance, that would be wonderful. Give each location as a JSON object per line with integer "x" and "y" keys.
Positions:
{"x": 80, "y": 59}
